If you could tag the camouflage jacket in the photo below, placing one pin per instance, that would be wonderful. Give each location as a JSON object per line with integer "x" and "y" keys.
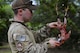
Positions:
{"x": 23, "y": 40}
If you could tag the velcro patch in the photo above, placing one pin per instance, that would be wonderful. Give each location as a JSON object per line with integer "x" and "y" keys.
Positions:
{"x": 19, "y": 37}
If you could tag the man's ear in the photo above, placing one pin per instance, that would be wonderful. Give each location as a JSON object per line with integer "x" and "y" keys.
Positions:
{"x": 20, "y": 12}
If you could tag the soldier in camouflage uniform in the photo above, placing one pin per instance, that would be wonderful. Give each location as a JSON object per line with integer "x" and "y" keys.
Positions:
{"x": 21, "y": 38}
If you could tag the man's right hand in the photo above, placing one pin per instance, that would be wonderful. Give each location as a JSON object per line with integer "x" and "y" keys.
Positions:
{"x": 57, "y": 24}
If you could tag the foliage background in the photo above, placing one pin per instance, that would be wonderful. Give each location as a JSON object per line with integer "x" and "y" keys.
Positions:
{"x": 46, "y": 13}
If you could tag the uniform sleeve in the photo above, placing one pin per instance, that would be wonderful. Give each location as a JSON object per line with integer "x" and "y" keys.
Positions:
{"x": 41, "y": 34}
{"x": 23, "y": 43}
{"x": 44, "y": 31}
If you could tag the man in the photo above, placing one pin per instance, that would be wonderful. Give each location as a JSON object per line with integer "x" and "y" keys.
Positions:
{"x": 22, "y": 39}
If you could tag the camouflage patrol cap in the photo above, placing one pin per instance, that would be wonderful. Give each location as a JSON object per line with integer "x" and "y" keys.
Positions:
{"x": 23, "y": 4}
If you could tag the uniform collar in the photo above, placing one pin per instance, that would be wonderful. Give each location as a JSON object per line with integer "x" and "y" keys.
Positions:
{"x": 20, "y": 23}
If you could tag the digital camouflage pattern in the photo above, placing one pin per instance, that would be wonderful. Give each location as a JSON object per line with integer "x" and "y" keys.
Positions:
{"x": 24, "y": 40}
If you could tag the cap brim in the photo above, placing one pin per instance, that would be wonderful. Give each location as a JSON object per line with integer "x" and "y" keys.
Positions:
{"x": 33, "y": 7}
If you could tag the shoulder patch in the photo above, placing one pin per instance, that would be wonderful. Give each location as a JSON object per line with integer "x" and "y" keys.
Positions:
{"x": 19, "y": 37}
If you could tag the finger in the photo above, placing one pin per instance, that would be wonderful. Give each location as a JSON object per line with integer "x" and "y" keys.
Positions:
{"x": 63, "y": 32}
{"x": 57, "y": 44}
{"x": 54, "y": 24}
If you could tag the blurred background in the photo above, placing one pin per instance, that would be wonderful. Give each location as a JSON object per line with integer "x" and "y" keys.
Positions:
{"x": 48, "y": 11}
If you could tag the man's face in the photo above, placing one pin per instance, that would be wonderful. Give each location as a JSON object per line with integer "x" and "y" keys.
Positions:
{"x": 26, "y": 14}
